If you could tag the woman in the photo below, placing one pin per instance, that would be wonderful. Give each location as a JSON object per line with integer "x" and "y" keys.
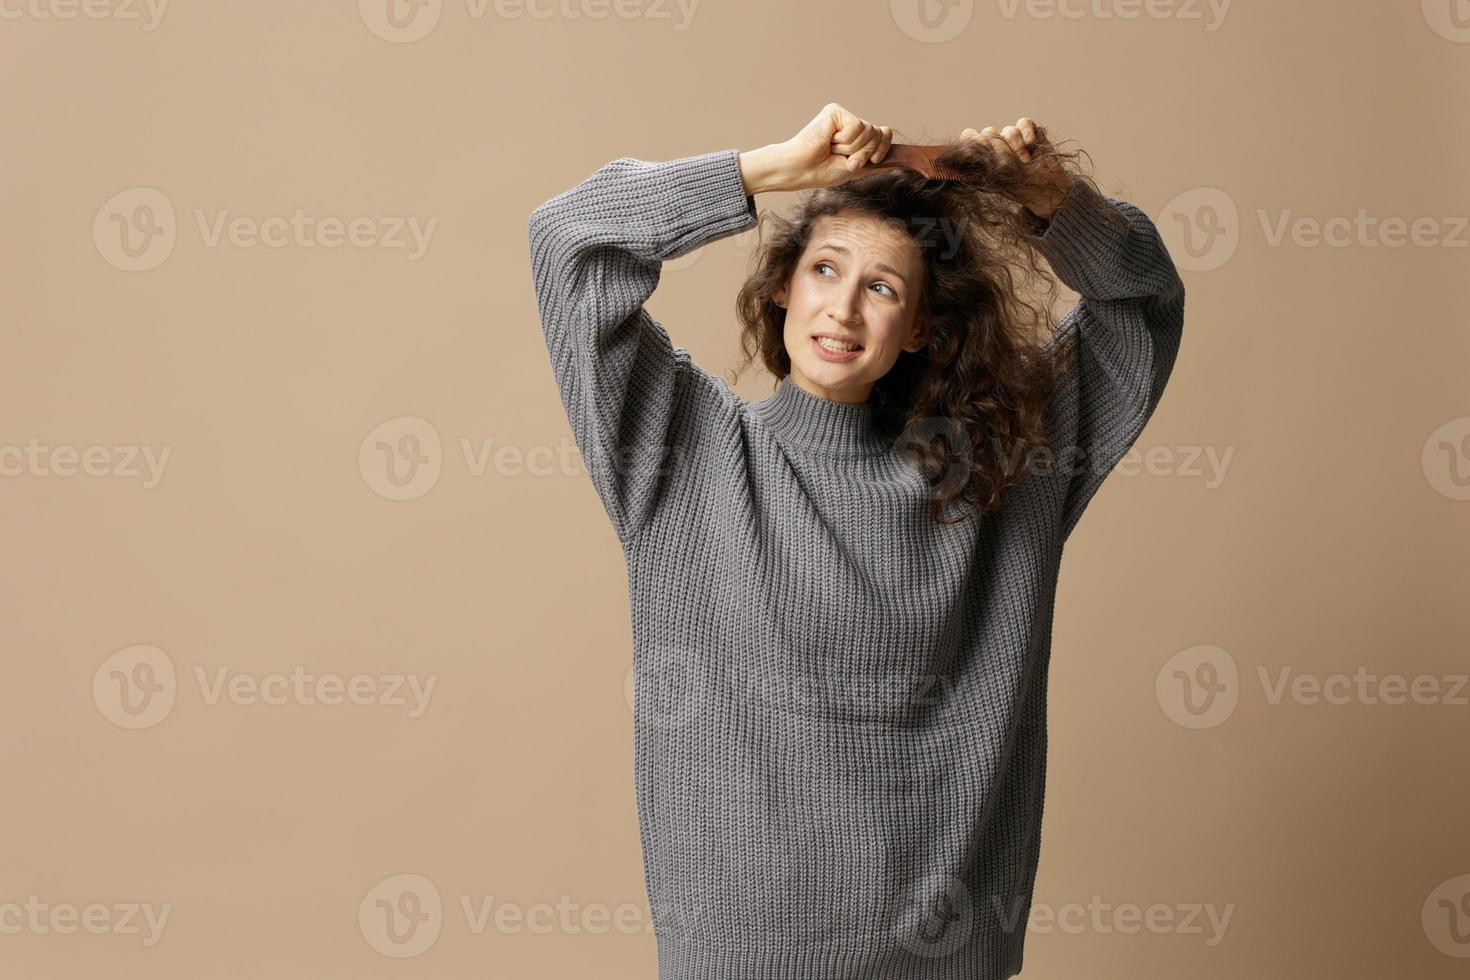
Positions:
{"x": 842, "y": 623}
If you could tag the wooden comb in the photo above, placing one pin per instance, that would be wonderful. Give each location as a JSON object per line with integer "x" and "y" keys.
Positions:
{"x": 917, "y": 157}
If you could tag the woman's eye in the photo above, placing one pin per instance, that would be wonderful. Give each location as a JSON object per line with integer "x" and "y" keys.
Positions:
{"x": 827, "y": 265}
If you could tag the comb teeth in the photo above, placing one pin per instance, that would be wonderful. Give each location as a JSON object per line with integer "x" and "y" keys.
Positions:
{"x": 918, "y": 158}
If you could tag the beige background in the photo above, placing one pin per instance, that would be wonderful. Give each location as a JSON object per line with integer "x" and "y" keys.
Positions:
{"x": 1307, "y": 507}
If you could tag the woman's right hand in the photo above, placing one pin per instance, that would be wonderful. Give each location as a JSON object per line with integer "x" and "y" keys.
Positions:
{"x": 831, "y": 149}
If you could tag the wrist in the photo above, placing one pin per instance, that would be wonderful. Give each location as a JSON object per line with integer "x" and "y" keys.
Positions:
{"x": 1044, "y": 205}
{"x": 760, "y": 171}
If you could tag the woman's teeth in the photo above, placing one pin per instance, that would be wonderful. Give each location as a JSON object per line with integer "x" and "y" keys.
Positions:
{"x": 837, "y": 345}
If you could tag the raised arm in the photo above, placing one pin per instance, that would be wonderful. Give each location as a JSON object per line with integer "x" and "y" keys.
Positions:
{"x": 1123, "y": 333}
{"x": 596, "y": 256}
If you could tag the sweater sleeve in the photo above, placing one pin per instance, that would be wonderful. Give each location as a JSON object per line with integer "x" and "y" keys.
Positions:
{"x": 596, "y": 255}
{"x": 1124, "y": 333}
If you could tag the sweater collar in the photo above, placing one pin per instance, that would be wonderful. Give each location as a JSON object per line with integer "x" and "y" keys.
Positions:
{"x": 822, "y": 424}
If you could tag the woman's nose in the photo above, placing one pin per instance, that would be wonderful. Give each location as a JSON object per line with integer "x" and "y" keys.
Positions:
{"x": 845, "y": 306}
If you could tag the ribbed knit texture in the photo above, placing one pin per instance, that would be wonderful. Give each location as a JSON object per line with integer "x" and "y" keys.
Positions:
{"x": 839, "y": 705}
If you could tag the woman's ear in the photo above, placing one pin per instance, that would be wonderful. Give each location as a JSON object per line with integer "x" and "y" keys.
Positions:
{"x": 779, "y": 297}
{"x": 918, "y": 335}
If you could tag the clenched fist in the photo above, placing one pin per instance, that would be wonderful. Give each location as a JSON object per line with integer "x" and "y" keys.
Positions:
{"x": 1043, "y": 190}
{"x": 831, "y": 149}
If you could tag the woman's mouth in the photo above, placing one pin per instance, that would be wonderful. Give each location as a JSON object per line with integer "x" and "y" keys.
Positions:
{"x": 831, "y": 349}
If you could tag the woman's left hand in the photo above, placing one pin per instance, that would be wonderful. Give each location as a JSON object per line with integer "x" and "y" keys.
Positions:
{"x": 1047, "y": 183}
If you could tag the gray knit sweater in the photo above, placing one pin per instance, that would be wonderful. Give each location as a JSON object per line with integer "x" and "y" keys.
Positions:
{"x": 839, "y": 704}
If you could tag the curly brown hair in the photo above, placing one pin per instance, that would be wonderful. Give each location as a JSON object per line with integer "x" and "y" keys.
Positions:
{"x": 968, "y": 409}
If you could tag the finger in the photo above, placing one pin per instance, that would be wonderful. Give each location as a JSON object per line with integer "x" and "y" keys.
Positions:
{"x": 861, "y": 149}
{"x": 867, "y": 152}
{"x": 998, "y": 144}
{"x": 992, "y": 136}
{"x": 1027, "y": 126}
{"x": 841, "y": 125}
{"x": 885, "y": 141}
{"x": 849, "y": 126}
{"x": 828, "y": 121}
{"x": 1016, "y": 142}
{"x": 859, "y": 138}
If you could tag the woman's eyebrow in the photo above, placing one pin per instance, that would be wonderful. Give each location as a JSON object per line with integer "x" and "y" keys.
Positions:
{"x": 843, "y": 250}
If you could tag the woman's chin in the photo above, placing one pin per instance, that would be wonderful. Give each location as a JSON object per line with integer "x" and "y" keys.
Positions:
{"x": 839, "y": 381}
{"x": 829, "y": 375}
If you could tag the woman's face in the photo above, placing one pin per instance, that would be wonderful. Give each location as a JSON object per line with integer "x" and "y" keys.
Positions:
{"x": 858, "y": 280}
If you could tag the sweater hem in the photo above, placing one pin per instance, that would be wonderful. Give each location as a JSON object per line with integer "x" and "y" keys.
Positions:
{"x": 991, "y": 957}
